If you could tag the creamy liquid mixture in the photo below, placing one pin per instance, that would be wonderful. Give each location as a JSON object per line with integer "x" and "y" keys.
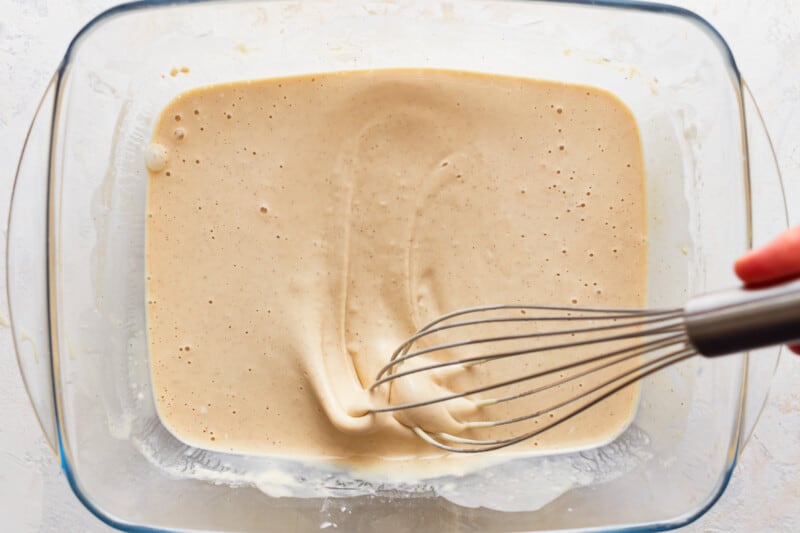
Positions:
{"x": 299, "y": 229}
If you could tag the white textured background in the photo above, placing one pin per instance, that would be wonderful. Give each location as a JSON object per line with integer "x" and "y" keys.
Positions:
{"x": 765, "y": 492}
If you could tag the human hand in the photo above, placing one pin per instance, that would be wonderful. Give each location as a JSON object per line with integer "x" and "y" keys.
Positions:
{"x": 776, "y": 261}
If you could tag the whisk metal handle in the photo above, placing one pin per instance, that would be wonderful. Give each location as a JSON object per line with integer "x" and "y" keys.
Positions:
{"x": 742, "y": 319}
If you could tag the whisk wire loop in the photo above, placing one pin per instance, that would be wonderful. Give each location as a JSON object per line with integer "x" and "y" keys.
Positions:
{"x": 456, "y": 444}
{"x": 401, "y": 355}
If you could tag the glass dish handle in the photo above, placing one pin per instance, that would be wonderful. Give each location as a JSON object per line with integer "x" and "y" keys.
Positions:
{"x": 770, "y": 216}
{"x": 26, "y": 266}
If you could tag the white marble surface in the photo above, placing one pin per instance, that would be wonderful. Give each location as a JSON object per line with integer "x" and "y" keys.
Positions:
{"x": 764, "y": 494}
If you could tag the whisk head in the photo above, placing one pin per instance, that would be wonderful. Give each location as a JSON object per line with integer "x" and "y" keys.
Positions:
{"x": 448, "y": 385}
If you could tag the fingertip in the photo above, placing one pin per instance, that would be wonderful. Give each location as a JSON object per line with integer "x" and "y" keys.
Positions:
{"x": 752, "y": 268}
{"x": 780, "y": 259}
{"x": 742, "y": 266}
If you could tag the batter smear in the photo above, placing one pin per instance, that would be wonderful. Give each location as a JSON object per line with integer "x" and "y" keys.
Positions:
{"x": 299, "y": 229}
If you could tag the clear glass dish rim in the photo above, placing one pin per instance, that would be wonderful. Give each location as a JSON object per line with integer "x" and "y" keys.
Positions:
{"x": 139, "y": 5}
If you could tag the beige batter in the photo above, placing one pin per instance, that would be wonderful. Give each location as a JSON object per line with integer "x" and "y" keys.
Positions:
{"x": 299, "y": 229}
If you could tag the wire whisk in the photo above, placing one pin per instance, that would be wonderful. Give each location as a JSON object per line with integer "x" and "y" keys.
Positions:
{"x": 611, "y": 348}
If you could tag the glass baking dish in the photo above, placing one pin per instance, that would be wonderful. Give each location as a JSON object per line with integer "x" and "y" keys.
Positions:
{"x": 76, "y": 259}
